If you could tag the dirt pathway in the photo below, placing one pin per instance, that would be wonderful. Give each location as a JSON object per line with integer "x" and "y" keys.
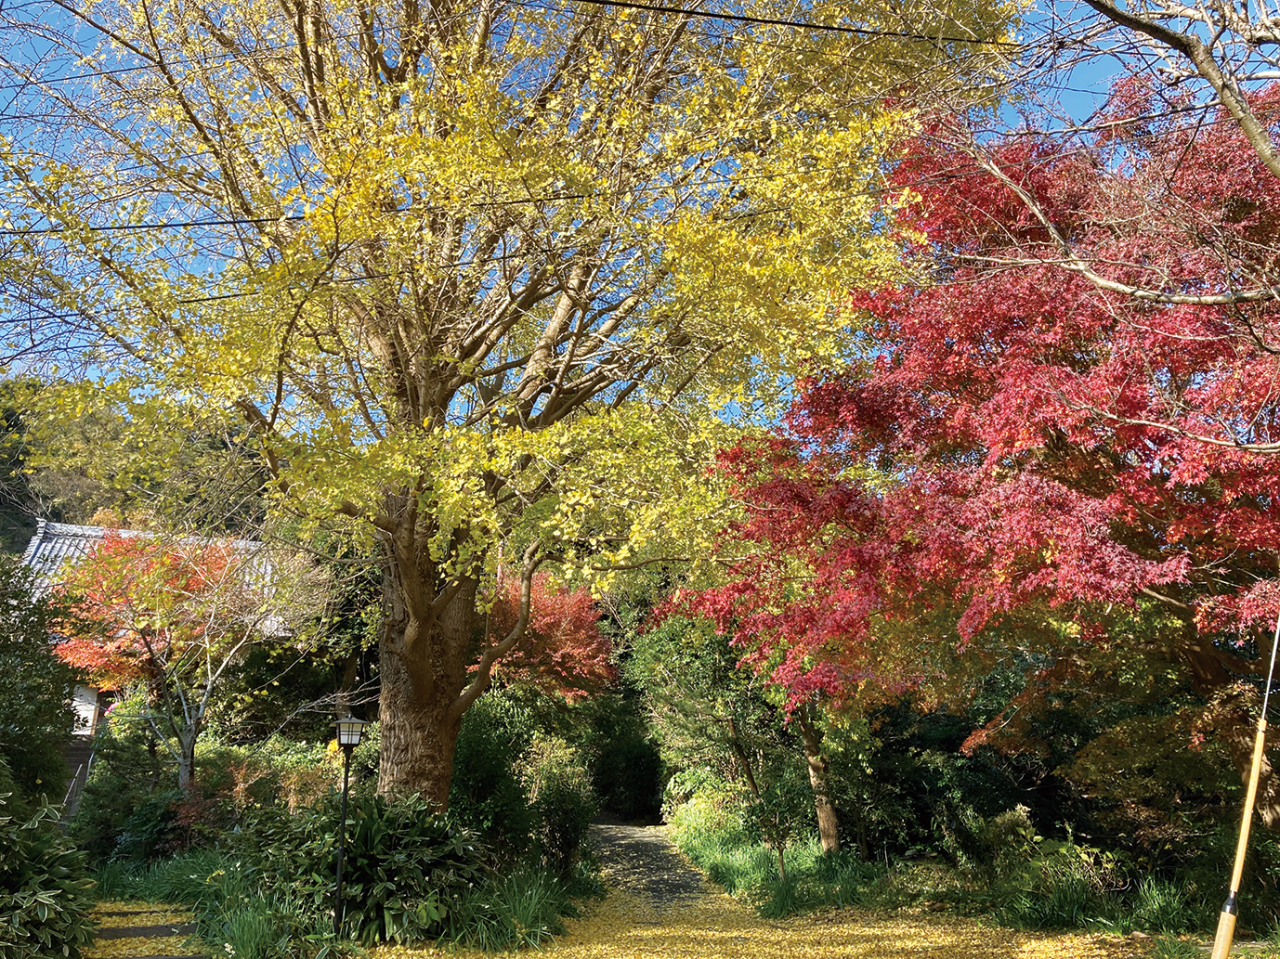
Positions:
{"x": 643, "y": 861}
{"x": 659, "y": 907}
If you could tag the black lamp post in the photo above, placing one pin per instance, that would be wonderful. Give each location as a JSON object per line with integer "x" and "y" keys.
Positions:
{"x": 349, "y": 730}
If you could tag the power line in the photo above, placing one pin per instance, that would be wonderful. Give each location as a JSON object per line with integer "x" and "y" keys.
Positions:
{"x": 141, "y": 227}
{"x": 636, "y": 190}
{"x": 800, "y": 24}
{"x": 867, "y": 32}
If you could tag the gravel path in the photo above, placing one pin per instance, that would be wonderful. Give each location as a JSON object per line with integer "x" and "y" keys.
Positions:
{"x": 642, "y": 860}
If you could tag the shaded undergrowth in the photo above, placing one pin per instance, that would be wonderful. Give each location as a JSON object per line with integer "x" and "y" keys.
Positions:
{"x": 1045, "y": 885}
{"x": 234, "y": 917}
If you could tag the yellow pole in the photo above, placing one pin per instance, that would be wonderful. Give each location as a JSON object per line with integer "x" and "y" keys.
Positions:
{"x": 1227, "y": 918}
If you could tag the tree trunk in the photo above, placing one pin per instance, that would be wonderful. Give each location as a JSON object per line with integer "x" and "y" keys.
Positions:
{"x": 426, "y": 650}
{"x": 418, "y": 735}
{"x": 743, "y": 762}
{"x": 819, "y": 780}
{"x": 186, "y": 759}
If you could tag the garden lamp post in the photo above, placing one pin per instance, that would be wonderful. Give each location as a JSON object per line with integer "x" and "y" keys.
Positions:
{"x": 349, "y": 730}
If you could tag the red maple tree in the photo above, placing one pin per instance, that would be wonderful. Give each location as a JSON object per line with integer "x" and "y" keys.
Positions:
{"x": 171, "y": 616}
{"x": 563, "y": 651}
{"x": 1069, "y": 428}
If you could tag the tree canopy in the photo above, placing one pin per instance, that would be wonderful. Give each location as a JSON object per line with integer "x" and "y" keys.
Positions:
{"x": 1034, "y": 465}
{"x": 471, "y": 274}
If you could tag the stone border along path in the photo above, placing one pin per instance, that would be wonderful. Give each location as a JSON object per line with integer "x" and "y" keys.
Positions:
{"x": 152, "y": 931}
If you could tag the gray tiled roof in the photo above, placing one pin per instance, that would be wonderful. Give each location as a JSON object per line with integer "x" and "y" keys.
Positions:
{"x": 57, "y": 544}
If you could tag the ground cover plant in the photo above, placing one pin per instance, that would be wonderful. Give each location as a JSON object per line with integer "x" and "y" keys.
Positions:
{"x": 1008, "y": 874}
{"x": 45, "y": 889}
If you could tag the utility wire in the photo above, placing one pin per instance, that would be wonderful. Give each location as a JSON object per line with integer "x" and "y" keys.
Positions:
{"x": 800, "y": 24}
{"x": 634, "y": 190}
{"x": 868, "y": 32}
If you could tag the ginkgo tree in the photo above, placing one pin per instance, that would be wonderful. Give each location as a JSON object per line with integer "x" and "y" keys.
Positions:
{"x": 477, "y": 274}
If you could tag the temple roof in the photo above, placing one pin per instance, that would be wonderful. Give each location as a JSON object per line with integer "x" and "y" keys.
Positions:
{"x": 57, "y": 544}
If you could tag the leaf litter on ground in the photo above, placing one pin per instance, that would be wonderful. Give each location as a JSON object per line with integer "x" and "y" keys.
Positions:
{"x": 716, "y": 926}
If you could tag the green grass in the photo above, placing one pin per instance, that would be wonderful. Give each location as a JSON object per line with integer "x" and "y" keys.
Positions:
{"x": 1070, "y": 887}
{"x": 230, "y": 911}
{"x": 522, "y": 910}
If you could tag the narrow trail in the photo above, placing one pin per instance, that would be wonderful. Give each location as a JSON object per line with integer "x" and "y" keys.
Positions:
{"x": 643, "y": 861}
{"x": 660, "y": 907}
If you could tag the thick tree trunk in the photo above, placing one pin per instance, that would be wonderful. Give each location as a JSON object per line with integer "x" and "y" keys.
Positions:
{"x": 427, "y": 645}
{"x": 418, "y": 734}
{"x": 819, "y": 780}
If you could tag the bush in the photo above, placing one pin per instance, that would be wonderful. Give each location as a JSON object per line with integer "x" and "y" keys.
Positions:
{"x": 44, "y": 886}
{"x": 562, "y": 801}
{"x": 233, "y": 915}
{"x": 126, "y": 769}
{"x": 1064, "y": 886}
{"x": 521, "y": 910}
{"x": 35, "y": 686}
{"x": 486, "y": 793}
{"x": 402, "y": 863}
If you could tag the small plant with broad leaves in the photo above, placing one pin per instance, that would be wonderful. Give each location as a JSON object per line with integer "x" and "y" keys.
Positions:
{"x": 402, "y": 864}
{"x": 44, "y": 886}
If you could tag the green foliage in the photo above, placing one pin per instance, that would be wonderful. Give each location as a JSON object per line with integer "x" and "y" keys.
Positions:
{"x": 44, "y": 886}
{"x": 35, "y": 686}
{"x": 612, "y": 732}
{"x": 522, "y": 910}
{"x": 402, "y": 863}
{"x": 123, "y": 812}
{"x": 777, "y": 814}
{"x": 233, "y": 914}
{"x": 519, "y": 785}
{"x": 268, "y": 692}
{"x": 1016, "y": 875}
{"x": 1170, "y": 947}
{"x": 486, "y": 793}
{"x": 702, "y": 708}
{"x": 562, "y": 803}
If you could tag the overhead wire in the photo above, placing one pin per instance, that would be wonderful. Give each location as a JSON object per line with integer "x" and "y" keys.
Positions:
{"x": 652, "y": 191}
{"x": 656, "y": 190}
{"x": 801, "y": 25}
{"x": 796, "y": 24}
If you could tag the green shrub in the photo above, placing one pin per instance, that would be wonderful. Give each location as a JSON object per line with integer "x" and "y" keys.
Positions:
{"x": 233, "y": 916}
{"x": 1006, "y": 842}
{"x": 145, "y": 832}
{"x": 402, "y": 864}
{"x": 35, "y": 686}
{"x": 44, "y": 886}
{"x": 486, "y": 793}
{"x": 1066, "y": 885}
{"x": 1160, "y": 906}
{"x": 522, "y": 910}
{"x": 123, "y": 812}
{"x": 562, "y": 802}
